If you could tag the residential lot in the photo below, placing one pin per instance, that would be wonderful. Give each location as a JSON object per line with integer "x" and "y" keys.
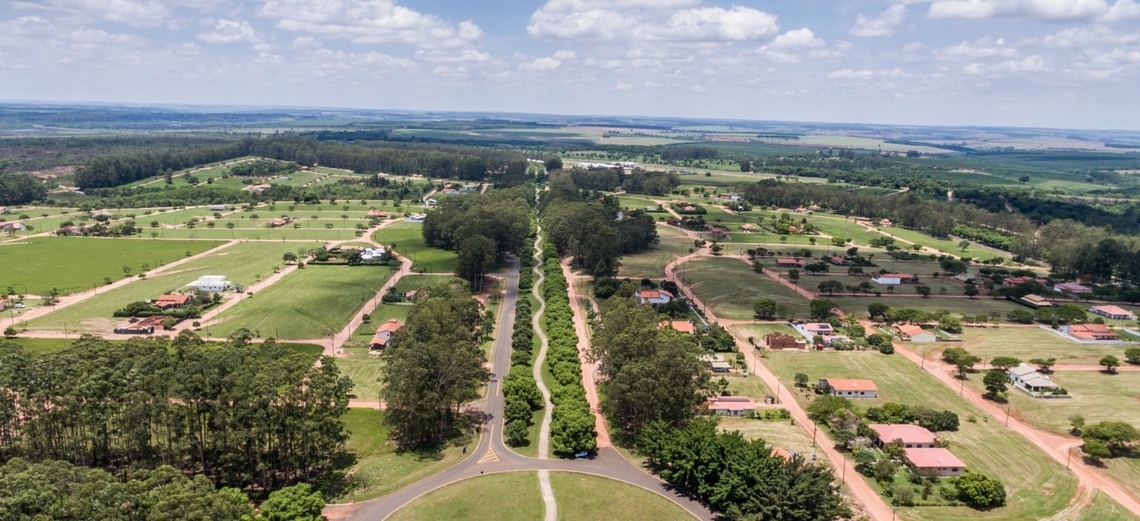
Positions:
{"x": 1032, "y": 342}
{"x": 729, "y": 287}
{"x": 651, "y": 264}
{"x": 409, "y": 242}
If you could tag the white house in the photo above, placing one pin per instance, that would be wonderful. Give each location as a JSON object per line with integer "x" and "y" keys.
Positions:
{"x": 370, "y": 254}
{"x": 218, "y": 208}
{"x": 654, "y": 296}
{"x": 211, "y": 283}
{"x": 415, "y": 218}
{"x": 731, "y": 405}
{"x": 851, "y": 388}
{"x": 384, "y": 334}
{"x": 729, "y": 197}
{"x": 1113, "y": 312}
{"x": 892, "y": 279}
{"x": 1026, "y": 378}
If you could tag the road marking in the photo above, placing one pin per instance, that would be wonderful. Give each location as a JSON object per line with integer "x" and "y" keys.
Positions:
{"x": 489, "y": 457}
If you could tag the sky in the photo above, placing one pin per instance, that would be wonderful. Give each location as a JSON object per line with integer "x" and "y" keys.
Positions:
{"x": 1048, "y": 63}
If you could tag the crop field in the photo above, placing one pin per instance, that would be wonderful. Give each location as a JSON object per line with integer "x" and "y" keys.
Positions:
{"x": 311, "y": 303}
{"x": 241, "y": 263}
{"x": 1036, "y": 486}
{"x": 777, "y": 433}
{"x": 730, "y": 287}
{"x": 73, "y": 264}
{"x": 651, "y": 263}
{"x": 1031, "y": 342}
{"x": 592, "y": 498}
{"x": 409, "y": 242}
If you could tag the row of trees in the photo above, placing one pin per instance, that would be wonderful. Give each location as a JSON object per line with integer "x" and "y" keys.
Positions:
{"x": 20, "y": 189}
{"x": 483, "y": 228}
{"x": 521, "y": 396}
{"x": 252, "y": 417}
{"x": 590, "y": 231}
{"x": 434, "y": 364}
{"x": 572, "y": 425}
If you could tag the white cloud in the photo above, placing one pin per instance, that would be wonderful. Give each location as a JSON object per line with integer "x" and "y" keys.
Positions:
{"x": 1034, "y": 63}
{"x": 1054, "y": 10}
{"x": 796, "y": 39}
{"x": 541, "y": 64}
{"x": 369, "y": 21}
{"x": 565, "y": 55}
{"x": 621, "y": 85}
{"x": 851, "y": 74}
{"x": 982, "y": 48}
{"x": 464, "y": 56}
{"x": 646, "y": 20}
{"x": 878, "y": 26}
{"x": 914, "y": 47}
{"x": 230, "y": 31}
{"x": 1088, "y": 36}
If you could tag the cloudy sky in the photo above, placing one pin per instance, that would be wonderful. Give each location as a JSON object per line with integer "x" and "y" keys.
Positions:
{"x": 1056, "y": 63}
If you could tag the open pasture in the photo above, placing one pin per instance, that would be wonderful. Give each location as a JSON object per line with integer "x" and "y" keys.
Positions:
{"x": 1026, "y": 342}
{"x": 409, "y": 241}
{"x": 730, "y": 287}
{"x": 651, "y": 263}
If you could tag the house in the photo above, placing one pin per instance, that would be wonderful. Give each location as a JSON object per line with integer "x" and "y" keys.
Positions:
{"x": 789, "y": 262}
{"x": 912, "y": 436}
{"x": 451, "y": 191}
{"x": 1026, "y": 378}
{"x": 280, "y": 221}
{"x": 1015, "y": 281}
{"x": 70, "y": 231}
{"x": 893, "y": 279}
{"x": 384, "y": 334}
{"x": 885, "y": 222}
{"x": 415, "y": 218}
{"x": 782, "y": 341}
{"x": 470, "y": 188}
{"x": 1113, "y": 312}
{"x": 913, "y": 333}
{"x": 941, "y": 461}
{"x": 211, "y": 283}
{"x": 1072, "y": 287}
{"x": 218, "y": 207}
{"x": 1036, "y": 301}
{"x": 5, "y": 211}
{"x": 1090, "y": 332}
{"x": 847, "y": 388}
{"x": 170, "y": 301}
{"x": 371, "y": 254}
{"x": 721, "y": 367}
{"x": 140, "y": 326}
{"x": 729, "y": 197}
{"x": 964, "y": 278}
{"x": 11, "y": 227}
{"x": 683, "y": 326}
{"x": 718, "y": 233}
{"x": 731, "y": 405}
{"x": 653, "y": 296}
{"x": 431, "y": 202}
{"x": 716, "y": 363}
{"x": 818, "y": 328}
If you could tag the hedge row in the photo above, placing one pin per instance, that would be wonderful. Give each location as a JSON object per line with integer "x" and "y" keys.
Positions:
{"x": 572, "y": 427}
{"x": 520, "y": 392}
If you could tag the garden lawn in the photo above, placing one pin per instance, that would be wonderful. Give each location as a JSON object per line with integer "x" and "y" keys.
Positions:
{"x": 730, "y": 287}
{"x": 777, "y": 433}
{"x": 1103, "y": 508}
{"x": 409, "y": 241}
{"x": 380, "y": 468}
{"x": 1031, "y": 342}
{"x": 651, "y": 263}
{"x": 241, "y": 263}
{"x": 1096, "y": 396}
{"x": 1036, "y": 486}
{"x": 751, "y": 386}
{"x": 314, "y": 302}
{"x": 74, "y": 264}
{"x": 509, "y": 496}
{"x": 582, "y": 497}
{"x": 365, "y": 371}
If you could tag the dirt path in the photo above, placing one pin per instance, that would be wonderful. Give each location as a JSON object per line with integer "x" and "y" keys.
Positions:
{"x": 589, "y": 369}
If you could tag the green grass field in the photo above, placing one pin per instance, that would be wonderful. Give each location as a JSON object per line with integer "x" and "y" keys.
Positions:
{"x": 365, "y": 371}
{"x": 1104, "y": 508}
{"x": 759, "y": 331}
{"x": 581, "y": 497}
{"x": 409, "y": 242}
{"x": 1125, "y": 471}
{"x": 1037, "y": 487}
{"x": 483, "y": 497}
{"x": 730, "y": 287}
{"x": 1096, "y": 396}
{"x": 858, "y": 305}
{"x": 838, "y": 227}
{"x": 314, "y": 235}
{"x": 73, "y": 264}
{"x": 777, "y": 433}
{"x": 241, "y": 263}
{"x": 1031, "y": 342}
{"x": 314, "y": 302}
{"x": 651, "y": 263}
{"x": 417, "y": 282}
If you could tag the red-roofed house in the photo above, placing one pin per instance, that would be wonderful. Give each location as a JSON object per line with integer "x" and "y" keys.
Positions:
{"x": 1113, "y": 312}
{"x": 654, "y": 296}
{"x": 913, "y": 333}
{"x": 941, "y": 461}
{"x": 1090, "y": 332}
{"x": 731, "y": 405}
{"x": 912, "y": 436}
{"x": 848, "y": 388}
{"x": 384, "y": 334}
{"x": 1072, "y": 287}
{"x": 789, "y": 262}
{"x": 166, "y": 302}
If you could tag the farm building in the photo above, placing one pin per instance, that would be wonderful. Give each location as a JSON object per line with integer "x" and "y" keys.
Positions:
{"x": 912, "y": 436}
{"x": 258, "y": 188}
{"x": 166, "y": 302}
{"x": 211, "y": 283}
{"x": 893, "y": 279}
{"x": 653, "y": 296}
{"x": 1072, "y": 287}
{"x": 913, "y": 333}
{"x": 848, "y": 388}
{"x": 384, "y": 334}
{"x": 1090, "y": 332}
{"x": 218, "y": 208}
{"x": 716, "y": 363}
{"x": 789, "y": 262}
{"x": 782, "y": 341}
{"x": 377, "y": 214}
{"x": 1026, "y": 378}
{"x": 731, "y": 405}
{"x": 1113, "y": 312}
{"x": 940, "y": 460}
{"x": 1036, "y": 301}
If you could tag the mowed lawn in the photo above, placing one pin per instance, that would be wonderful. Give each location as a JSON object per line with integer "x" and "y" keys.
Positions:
{"x": 582, "y": 497}
{"x": 1104, "y": 508}
{"x": 777, "y": 433}
{"x": 74, "y": 264}
{"x": 241, "y": 263}
{"x": 381, "y": 468}
{"x": 365, "y": 371}
{"x": 651, "y": 263}
{"x": 730, "y": 287}
{"x": 409, "y": 241}
{"x": 858, "y": 305}
{"x": 1037, "y": 487}
{"x": 508, "y": 496}
{"x": 1096, "y": 396}
{"x": 1031, "y": 342}
{"x": 315, "y": 302}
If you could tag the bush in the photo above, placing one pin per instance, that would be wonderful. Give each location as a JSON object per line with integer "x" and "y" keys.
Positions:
{"x": 978, "y": 490}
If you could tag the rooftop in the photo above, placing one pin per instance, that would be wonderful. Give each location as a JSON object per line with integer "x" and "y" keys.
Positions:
{"x": 933, "y": 458}
{"x": 910, "y": 329}
{"x": 905, "y": 432}
{"x": 1111, "y": 310}
{"x": 732, "y": 403}
{"x": 843, "y": 384}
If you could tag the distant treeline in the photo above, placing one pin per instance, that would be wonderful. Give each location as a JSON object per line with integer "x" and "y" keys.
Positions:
{"x": 610, "y": 179}
{"x": 371, "y": 189}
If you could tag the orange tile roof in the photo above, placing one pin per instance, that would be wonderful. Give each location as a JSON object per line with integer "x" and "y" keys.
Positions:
{"x": 909, "y": 329}
{"x": 933, "y": 458}
{"x": 171, "y": 300}
{"x": 843, "y": 384}
{"x": 1112, "y": 310}
{"x": 905, "y": 432}
{"x": 683, "y": 326}
{"x": 391, "y": 326}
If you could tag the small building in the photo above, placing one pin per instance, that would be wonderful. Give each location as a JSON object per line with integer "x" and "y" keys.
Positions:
{"x": 653, "y": 296}
{"x": 964, "y": 278}
{"x": 789, "y": 262}
{"x": 211, "y": 283}
{"x": 171, "y": 301}
{"x": 912, "y": 436}
{"x": 140, "y": 326}
{"x": 1026, "y": 378}
{"x": 70, "y": 231}
{"x": 819, "y": 328}
{"x": 885, "y": 222}
{"x": 729, "y": 197}
{"x": 1072, "y": 288}
{"x": 782, "y": 341}
{"x": 377, "y": 214}
{"x": 5, "y": 211}
{"x": 747, "y": 228}
{"x": 415, "y": 218}
{"x": 1113, "y": 312}
{"x": 731, "y": 405}
{"x": 371, "y": 254}
{"x": 470, "y": 188}
{"x": 1036, "y": 301}
{"x": 721, "y": 367}
{"x": 12, "y": 227}
{"x": 893, "y": 279}
{"x": 683, "y": 326}
{"x": 913, "y": 333}
{"x": 258, "y": 187}
{"x": 939, "y": 460}
{"x": 1090, "y": 332}
{"x": 849, "y": 388}
{"x": 431, "y": 202}
{"x": 838, "y": 260}
{"x": 218, "y": 207}
{"x": 1015, "y": 281}
{"x": 384, "y": 334}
